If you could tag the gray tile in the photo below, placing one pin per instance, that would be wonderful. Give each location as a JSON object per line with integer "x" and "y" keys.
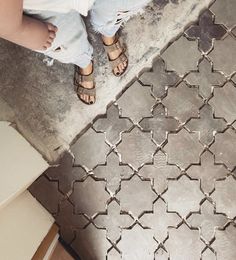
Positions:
{"x": 136, "y": 148}
{"x": 183, "y": 148}
{"x": 225, "y": 191}
{"x": 136, "y": 102}
{"x": 65, "y": 173}
{"x": 207, "y": 221}
{"x": 159, "y": 172}
{"x": 91, "y": 243}
{"x": 224, "y": 103}
{"x": 137, "y": 244}
{"x": 83, "y": 194}
{"x": 224, "y": 148}
{"x": 223, "y": 55}
{"x": 234, "y": 76}
{"x": 113, "y": 173}
{"x": 159, "y": 78}
{"x": 207, "y": 125}
{"x": 225, "y": 243}
{"x": 112, "y": 125}
{"x": 183, "y": 102}
{"x": 207, "y": 172}
{"x": 90, "y": 149}
{"x": 184, "y": 243}
{"x": 113, "y": 255}
{"x": 182, "y": 56}
{"x": 205, "y": 31}
{"x": 113, "y": 221}
{"x": 183, "y": 196}
{"x": 225, "y": 12}
{"x": 208, "y": 255}
{"x": 205, "y": 78}
{"x": 159, "y": 124}
{"x": 161, "y": 254}
{"x": 133, "y": 189}
{"x": 160, "y": 220}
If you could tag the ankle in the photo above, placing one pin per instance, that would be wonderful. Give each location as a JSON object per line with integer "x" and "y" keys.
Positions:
{"x": 108, "y": 40}
{"x": 87, "y": 70}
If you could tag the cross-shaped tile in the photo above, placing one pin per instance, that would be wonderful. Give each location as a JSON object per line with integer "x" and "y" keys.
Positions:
{"x": 113, "y": 221}
{"x": 160, "y": 220}
{"x": 65, "y": 173}
{"x": 113, "y": 173}
{"x": 207, "y": 125}
{"x": 205, "y": 78}
{"x": 159, "y": 78}
{"x": 206, "y": 31}
{"x": 159, "y": 124}
{"x": 207, "y": 220}
{"x": 207, "y": 171}
{"x": 159, "y": 172}
{"x": 113, "y": 125}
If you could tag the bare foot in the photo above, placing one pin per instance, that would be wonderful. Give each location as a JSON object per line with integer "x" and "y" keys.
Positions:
{"x": 87, "y": 84}
{"x": 114, "y": 54}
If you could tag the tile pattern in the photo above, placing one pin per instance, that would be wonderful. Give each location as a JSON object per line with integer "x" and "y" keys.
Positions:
{"x": 157, "y": 179}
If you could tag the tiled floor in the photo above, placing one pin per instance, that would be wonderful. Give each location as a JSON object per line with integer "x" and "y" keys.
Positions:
{"x": 154, "y": 178}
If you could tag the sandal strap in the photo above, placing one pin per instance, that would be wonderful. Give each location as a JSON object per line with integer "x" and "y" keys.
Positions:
{"x": 83, "y": 78}
{"x": 116, "y": 45}
{"x": 120, "y": 59}
{"x": 87, "y": 91}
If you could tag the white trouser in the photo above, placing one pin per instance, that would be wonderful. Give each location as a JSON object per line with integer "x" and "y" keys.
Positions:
{"x": 71, "y": 44}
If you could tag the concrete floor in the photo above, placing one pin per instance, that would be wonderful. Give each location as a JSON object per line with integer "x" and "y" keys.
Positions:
{"x": 41, "y": 100}
{"x": 155, "y": 177}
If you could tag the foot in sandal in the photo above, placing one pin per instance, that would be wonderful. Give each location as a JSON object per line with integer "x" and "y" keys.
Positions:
{"x": 116, "y": 54}
{"x": 84, "y": 84}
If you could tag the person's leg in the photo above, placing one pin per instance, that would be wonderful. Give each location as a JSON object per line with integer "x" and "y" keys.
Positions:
{"x": 107, "y": 18}
{"x": 71, "y": 44}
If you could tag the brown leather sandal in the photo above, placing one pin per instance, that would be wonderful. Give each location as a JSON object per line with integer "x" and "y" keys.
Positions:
{"x": 116, "y": 45}
{"x": 81, "y": 90}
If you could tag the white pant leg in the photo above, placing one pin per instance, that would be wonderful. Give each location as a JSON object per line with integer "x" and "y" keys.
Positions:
{"x": 71, "y": 44}
{"x": 108, "y": 16}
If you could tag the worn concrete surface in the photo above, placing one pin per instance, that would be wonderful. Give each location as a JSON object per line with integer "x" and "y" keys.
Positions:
{"x": 155, "y": 177}
{"x": 42, "y": 100}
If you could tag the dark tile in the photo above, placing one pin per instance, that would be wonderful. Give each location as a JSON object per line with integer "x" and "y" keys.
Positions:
{"x": 206, "y": 221}
{"x": 112, "y": 125}
{"x": 159, "y": 78}
{"x": 205, "y": 31}
{"x": 159, "y": 172}
{"x": 47, "y": 193}
{"x": 207, "y": 125}
{"x": 160, "y": 220}
{"x": 113, "y": 221}
{"x": 160, "y": 124}
{"x": 65, "y": 173}
{"x": 205, "y": 78}
{"x": 113, "y": 173}
{"x": 207, "y": 171}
